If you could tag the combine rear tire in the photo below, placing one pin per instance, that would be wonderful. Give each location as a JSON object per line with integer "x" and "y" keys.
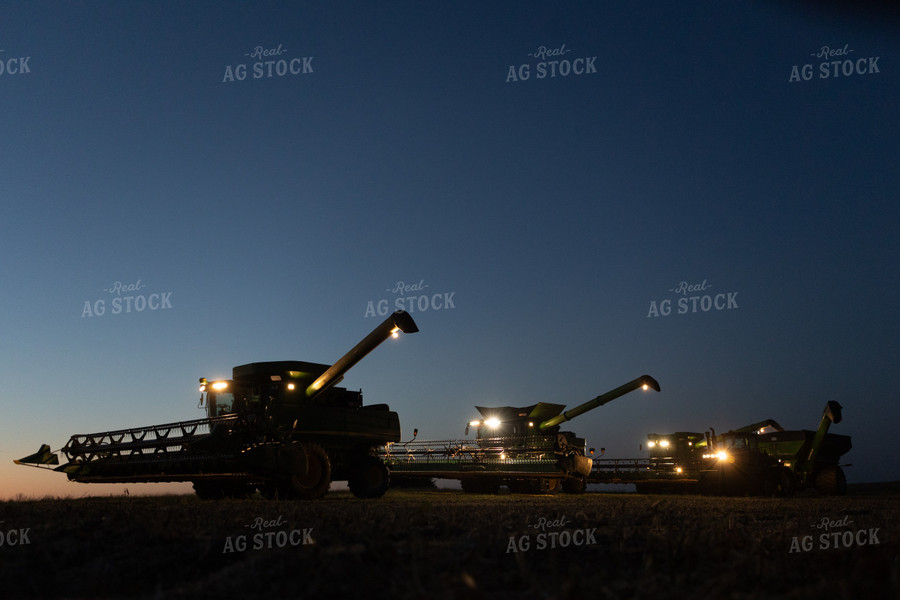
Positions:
{"x": 369, "y": 477}
{"x": 831, "y": 481}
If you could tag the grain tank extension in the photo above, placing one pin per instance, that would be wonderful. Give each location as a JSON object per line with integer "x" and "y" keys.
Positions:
{"x": 281, "y": 427}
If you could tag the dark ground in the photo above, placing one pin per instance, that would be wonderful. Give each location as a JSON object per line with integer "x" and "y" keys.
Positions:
{"x": 447, "y": 544}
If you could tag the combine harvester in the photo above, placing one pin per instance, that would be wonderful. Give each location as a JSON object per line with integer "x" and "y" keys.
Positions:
{"x": 758, "y": 459}
{"x": 280, "y": 427}
{"x": 521, "y": 448}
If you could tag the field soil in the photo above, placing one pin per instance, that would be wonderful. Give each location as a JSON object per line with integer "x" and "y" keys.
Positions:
{"x": 448, "y": 544}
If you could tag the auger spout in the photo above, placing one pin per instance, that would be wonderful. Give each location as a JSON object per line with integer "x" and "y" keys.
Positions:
{"x": 644, "y": 381}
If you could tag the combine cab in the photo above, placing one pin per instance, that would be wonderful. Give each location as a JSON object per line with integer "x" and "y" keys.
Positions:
{"x": 283, "y": 428}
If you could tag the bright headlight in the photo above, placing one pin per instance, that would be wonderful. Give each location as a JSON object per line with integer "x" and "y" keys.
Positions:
{"x": 493, "y": 423}
{"x": 219, "y": 385}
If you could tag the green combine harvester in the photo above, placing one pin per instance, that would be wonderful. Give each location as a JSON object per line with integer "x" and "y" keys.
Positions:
{"x": 283, "y": 428}
{"x": 522, "y": 448}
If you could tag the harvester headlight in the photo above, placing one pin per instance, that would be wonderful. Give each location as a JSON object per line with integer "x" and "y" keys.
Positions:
{"x": 493, "y": 422}
{"x": 664, "y": 443}
{"x": 651, "y": 444}
{"x": 395, "y": 332}
{"x": 474, "y": 423}
{"x": 291, "y": 386}
{"x": 678, "y": 469}
{"x": 645, "y": 386}
{"x": 723, "y": 456}
{"x": 219, "y": 385}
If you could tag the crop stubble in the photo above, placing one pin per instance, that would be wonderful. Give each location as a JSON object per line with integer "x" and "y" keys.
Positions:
{"x": 447, "y": 544}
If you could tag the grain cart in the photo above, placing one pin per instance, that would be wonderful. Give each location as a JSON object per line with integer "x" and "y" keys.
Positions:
{"x": 281, "y": 427}
{"x": 757, "y": 459}
{"x": 772, "y": 461}
{"x": 520, "y": 447}
{"x": 812, "y": 456}
{"x": 676, "y": 459}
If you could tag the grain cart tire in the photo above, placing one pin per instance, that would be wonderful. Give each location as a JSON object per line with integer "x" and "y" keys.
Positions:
{"x": 315, "y": 480}
{"x": 779, "y": 483}
{"x": 574, "y": 485}
{"x": 369, "y": 478}
{"x": 831, "y": 481}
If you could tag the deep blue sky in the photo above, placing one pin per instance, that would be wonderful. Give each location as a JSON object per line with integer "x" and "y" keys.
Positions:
{"x": 552, "y": 211}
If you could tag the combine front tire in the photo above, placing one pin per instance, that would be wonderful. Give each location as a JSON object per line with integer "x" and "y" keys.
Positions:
{"x": 307, "y": 481}
{"x": 369, "y": 478}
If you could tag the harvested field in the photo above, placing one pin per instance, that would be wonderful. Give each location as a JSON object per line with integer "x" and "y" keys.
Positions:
{"x": 447, "y": 544}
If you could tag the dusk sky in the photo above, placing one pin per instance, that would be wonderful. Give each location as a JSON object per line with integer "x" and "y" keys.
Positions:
{"x": 258, "y": 178}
